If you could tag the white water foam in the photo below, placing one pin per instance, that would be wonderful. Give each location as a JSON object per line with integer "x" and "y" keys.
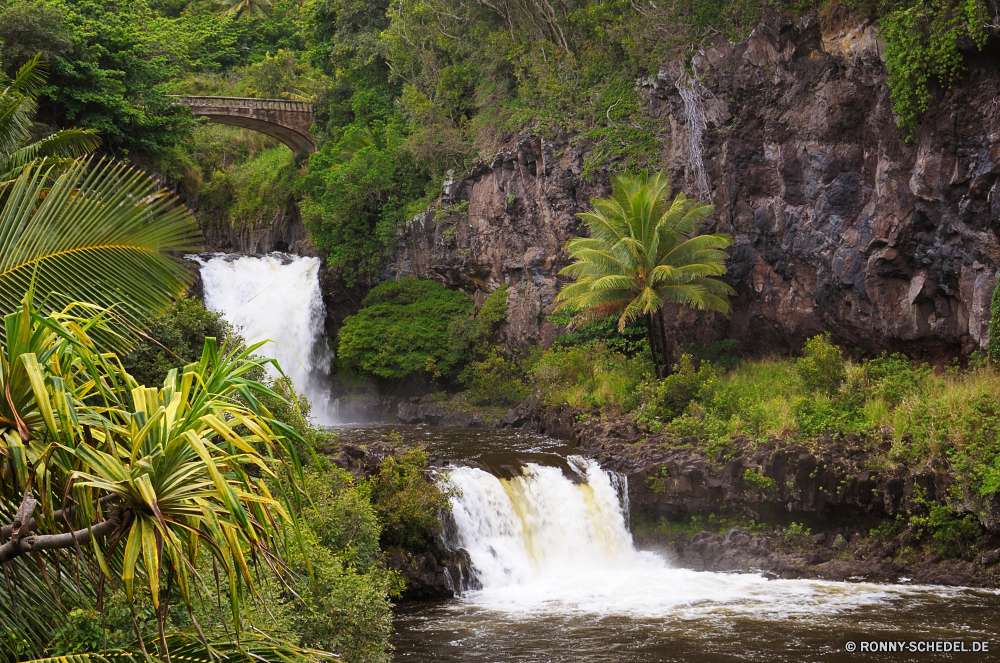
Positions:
{"x": 544, "y": 545}
{"x": 277, "y": 297}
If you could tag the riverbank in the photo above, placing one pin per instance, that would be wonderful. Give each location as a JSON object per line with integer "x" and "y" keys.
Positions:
{"x": 834, "y": 507}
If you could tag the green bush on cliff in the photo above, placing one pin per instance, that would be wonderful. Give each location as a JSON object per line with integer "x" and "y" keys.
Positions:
{"x": 591, "y": 376}
{"x": 407, "y": 503}
{"x": 993, "y": 344}
{"x": 922, "y": 41}
{"x": 495, "y": 380}
{"x": 631, "y": 341}
{"x": 822, "y": 367}
{"x": 403, "y": 330}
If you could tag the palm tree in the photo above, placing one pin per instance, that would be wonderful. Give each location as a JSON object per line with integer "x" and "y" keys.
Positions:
{"x": 94, "y": 231}
{"x": 135, "y": 481}
{"x": 17, "y": 110}
{"x": 643, "y": 253}
{"x": 237, "y": 7}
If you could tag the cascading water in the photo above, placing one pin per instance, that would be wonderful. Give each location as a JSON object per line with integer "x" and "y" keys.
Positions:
{"x": 277, "y": 297}
{"x": 539, "y": 524}
{"x": 545, "y": 544}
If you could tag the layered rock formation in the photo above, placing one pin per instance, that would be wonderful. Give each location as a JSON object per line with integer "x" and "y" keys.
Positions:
{"x": 839, "y": 223}
{"x": 504, "y": 222}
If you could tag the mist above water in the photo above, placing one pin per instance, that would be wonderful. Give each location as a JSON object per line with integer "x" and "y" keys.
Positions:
{"x": 277, "y": 298}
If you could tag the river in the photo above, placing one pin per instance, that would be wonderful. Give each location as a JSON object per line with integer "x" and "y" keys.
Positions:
{"x": 562, "y": 581}
{"x": 547, "y": 532}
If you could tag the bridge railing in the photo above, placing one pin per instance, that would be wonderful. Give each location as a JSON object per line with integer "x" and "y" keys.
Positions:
{"x": 243, "y": 102}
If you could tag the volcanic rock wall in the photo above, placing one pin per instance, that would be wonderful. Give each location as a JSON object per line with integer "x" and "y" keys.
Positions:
{"x": 839, "y": 223}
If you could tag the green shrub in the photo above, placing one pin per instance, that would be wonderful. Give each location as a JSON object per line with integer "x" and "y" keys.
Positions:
{"x": 631, "y": 341}
{"x": 494, "y": 381}
{"x": 591, "y": 376}
{"x": 822, "y": 367}
{"x": 340, "y": 610}
{"x": 993, "y": 344}
{"x": 403, "y": 330}
{"x": 176, "y": 339}
{"x": 679, "y": 388}
{"x": 342, "y": 518}
{"x": 757, "y": 483}
{"x": 796, "y": 535}
{"x": 817, "y": 414}
{"x": 407, "y": 503}
{"x": 80, "y": 633}
{"x": 473, "y": 333}
{"x": 952, "y": 533}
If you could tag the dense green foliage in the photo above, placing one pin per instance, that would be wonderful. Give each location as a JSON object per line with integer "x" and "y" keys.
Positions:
{"x": 356, "y": 194}
{"x": 403, "y": 330}
{"x": 630, "y": 341}
{"x": 174, "y": 340}
{"x": 407, "y": 504}
{"x": 993, "y": 344}
{"x": 922, "y": 42}
{"x": 822, "y": 367}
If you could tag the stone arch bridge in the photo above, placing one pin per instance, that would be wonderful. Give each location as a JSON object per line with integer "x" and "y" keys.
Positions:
{"x": 288, "y": 121}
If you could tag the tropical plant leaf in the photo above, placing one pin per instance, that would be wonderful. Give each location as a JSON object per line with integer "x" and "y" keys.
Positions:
{"x": 98, "y": 232}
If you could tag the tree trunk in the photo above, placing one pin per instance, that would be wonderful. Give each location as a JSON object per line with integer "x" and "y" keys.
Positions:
{"x": 667, "y": 348}
{"x": 651, "y": 336}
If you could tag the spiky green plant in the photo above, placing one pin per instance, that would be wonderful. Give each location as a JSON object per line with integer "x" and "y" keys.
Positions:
{"x": 642, "y": 253}
{"x": 139, "y": 481}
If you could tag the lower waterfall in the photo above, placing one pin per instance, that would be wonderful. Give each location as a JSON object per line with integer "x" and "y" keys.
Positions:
{"x": 277, "y": 297}
{"x": 547, "y": 543}
{"x": 540, "y": 523}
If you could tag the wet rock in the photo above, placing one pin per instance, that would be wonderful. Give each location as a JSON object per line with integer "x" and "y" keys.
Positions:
{"x": 452, "y": 414}
{"x": 519, "y": 416}
{"x": 436, "y": 574}
{"x": 839, "y": 223}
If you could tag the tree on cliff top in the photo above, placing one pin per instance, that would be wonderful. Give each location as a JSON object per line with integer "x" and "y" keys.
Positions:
{"x": 643, "y": 253}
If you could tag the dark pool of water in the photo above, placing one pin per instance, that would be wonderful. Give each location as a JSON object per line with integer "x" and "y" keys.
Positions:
{"x": 460, "y": 631}
{"x": 738, "y": 618}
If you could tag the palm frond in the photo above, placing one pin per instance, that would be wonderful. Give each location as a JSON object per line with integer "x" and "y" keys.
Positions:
{"x": 69, "y": 144}
{"x": 642, "y": 252}
{"x": 99, "y": 232}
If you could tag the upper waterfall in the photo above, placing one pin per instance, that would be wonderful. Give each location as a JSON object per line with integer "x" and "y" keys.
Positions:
{"x": 277, "y": 298}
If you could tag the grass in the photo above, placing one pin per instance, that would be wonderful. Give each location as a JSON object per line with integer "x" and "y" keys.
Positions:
{"x": 925, "y": 412}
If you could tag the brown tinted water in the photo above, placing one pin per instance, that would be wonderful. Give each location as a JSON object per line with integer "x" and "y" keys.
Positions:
{"x": 578, "y": 592}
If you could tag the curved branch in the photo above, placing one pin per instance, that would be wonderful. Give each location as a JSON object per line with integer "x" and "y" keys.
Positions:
{"x": 38, "y": 542}
{"x": 7, "y": 530}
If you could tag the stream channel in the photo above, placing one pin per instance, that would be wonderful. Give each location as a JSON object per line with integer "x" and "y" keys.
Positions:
{"x": 547, "y": 531}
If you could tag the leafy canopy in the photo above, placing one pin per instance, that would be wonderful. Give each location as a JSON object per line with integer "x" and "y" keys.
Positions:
{"x": 18, "y": 104}
{"x": 403, "y": 330}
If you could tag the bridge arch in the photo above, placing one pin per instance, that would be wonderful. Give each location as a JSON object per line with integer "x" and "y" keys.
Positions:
{"x": 287, "y": 121}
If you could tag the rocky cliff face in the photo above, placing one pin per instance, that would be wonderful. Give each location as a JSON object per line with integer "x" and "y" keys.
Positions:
{"x": 839, "y": 223}
{"x": 504, "y": 222}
